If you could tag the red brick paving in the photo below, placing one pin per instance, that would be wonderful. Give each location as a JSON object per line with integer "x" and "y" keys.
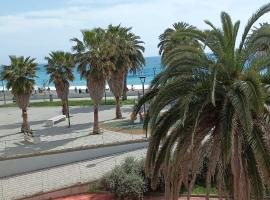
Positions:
{"x": 88, "y": 197}
{"x": 110, "y": 197}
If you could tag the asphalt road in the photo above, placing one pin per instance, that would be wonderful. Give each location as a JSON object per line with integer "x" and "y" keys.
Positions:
{"x": 29, "y": 164}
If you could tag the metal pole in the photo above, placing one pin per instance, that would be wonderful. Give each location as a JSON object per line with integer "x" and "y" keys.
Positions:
{"x": 143, "y": 95}
{"x": 4, "y": 92}
{"x": 144, "y": 108}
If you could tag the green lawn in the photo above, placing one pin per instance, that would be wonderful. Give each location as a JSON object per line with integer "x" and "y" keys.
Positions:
{"x": 71, "y": 103}
{"x": 200, "y": 190}
{"x": 123, "y": 126}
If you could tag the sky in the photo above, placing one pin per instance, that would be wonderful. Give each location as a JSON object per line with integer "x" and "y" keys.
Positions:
{"x": 36, "y": 27}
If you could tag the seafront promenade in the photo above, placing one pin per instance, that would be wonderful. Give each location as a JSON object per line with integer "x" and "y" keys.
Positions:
{"x": 52, "y": 141}
{"x": 59, "y": 137}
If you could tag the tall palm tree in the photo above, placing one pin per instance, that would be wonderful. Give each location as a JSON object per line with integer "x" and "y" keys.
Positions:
{"x": 128, "y": 56}
{"x": 19, "y": 76}
{"x": 92, "y": 55}
{"x": 59, "y": 67}
{"x": 220, "y": 111}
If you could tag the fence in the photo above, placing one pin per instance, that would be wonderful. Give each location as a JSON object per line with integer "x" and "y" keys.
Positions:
{"x": 17, "y": 187}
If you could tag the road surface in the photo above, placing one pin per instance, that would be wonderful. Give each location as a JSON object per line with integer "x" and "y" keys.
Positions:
{"x": 29, "y": 164}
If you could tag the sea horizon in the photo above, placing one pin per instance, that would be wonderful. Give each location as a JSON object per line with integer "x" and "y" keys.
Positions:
{"x": 151, "y": 68}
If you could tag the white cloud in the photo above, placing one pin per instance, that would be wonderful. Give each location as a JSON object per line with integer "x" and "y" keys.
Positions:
{"x": 36, "y": 33}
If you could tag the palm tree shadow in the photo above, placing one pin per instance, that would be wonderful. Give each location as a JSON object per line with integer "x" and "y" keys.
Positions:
{"x": 59, "y": 130}
{"x": 19, "y": 124}
{"x": 127, "y": 109}
{"x": 8, "y": 135}
{"x": 26, "y": 148}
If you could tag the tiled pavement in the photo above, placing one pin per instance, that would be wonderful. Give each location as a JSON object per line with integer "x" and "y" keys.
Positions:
{"x": 58, "y": 137}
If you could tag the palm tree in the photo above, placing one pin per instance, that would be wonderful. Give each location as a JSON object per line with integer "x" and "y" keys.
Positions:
{"x": 128, "y": 56}
{"x": 220, "y": 111}
{"x": 92, "y": 55}
{"x": 59, "y": 67}
{"x": 19, "y": 76}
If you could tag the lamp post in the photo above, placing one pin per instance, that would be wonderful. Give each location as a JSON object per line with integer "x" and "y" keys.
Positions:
{"x": 142, "y": 78}
{"x": 154, "y": 69}
{"x": 4, "y": 91}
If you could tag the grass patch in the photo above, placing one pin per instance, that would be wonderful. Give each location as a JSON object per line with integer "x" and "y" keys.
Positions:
{"x": 200, "y": 190}
{"x": 71, "y": 103}
{"x": 126, "y": 126}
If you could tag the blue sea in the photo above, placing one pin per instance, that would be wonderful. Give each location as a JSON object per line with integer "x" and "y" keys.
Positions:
{"x": 151, "y": 64}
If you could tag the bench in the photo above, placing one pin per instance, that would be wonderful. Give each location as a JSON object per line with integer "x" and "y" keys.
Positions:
{"x": 52, "y": 121}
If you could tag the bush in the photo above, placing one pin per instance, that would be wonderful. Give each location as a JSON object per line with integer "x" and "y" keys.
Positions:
{"x": 126, "y": 181}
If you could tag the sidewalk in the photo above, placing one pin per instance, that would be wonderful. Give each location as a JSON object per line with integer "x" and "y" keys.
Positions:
{"x": 59, "y": 137}
{"x": 25, "y": 185}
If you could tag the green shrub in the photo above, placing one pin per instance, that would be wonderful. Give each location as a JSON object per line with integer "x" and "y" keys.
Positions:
{"x": 126, "y": 181}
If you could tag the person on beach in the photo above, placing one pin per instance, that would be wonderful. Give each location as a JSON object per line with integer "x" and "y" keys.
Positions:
{"x": 132, "y": 88}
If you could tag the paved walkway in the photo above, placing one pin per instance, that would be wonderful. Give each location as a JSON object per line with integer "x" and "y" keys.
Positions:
{"x": 60, "y": 136}
{"x": 110, "y": 197}
{"x": 60, "y": 177}
{"x": 88, "y": 197}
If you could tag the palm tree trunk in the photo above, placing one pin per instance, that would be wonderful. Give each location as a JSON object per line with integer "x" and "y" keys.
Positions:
{"x": 177, "y": 187}
{"x": 62, "y": 90}
{"x": 25, "y": 125}
{"x": 118, "y": 109}
{"x": 64, "y": 107}
{"x": 168, "y": 183}
{"x": 96, "y": 86}
{"x": 124, "y": 96}
{"x": 96, "y": 129}
{"x": 168, "y": 190}
{"x": 116, "y": 82}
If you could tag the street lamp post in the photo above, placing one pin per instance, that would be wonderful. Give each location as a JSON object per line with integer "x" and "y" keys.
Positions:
{"x": 142, "y": 78}
{"x": 4, "y": 91}
{"x": 154, "y": 69}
